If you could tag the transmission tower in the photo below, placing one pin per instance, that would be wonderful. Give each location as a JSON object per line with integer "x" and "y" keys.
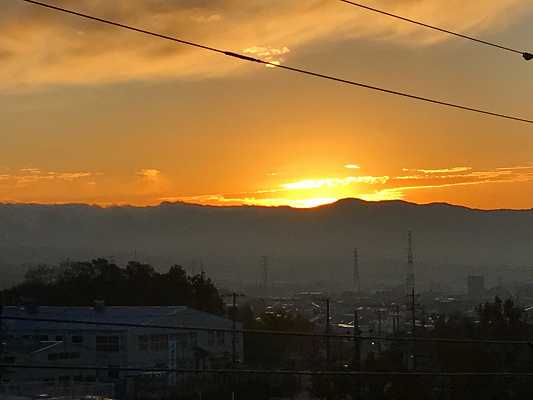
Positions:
{"x": 356, "y": 277}
{"x": 410, "y": 270}
{"x": 264, "y": 271}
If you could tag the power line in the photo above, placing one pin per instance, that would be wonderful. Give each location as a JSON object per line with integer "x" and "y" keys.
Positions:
{"x": 288, "y": 68}
{"x": 274, "y": 333}
{"x": 526, "y": 55}
{"x": 267, "y": 371}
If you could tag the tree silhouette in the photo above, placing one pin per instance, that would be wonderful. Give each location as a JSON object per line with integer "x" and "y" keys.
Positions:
{"x": 81, "y": 283}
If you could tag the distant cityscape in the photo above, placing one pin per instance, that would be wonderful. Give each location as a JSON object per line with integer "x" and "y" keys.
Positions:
{"x": 97, "y": 329}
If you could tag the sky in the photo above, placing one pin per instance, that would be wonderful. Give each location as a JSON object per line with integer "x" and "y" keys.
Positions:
{"x": 93, "y": 114}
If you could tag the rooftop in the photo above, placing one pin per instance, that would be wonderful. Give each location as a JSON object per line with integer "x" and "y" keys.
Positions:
{"x": 142, "y": 315}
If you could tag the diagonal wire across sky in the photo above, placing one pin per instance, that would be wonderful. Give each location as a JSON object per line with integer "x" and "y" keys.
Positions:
{"x": 243, "y": 57}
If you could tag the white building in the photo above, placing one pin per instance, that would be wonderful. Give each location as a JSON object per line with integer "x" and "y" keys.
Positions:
{"x": 108, "y": 347}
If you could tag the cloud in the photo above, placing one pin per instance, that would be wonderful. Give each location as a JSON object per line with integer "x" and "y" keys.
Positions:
{"x": 70, "y": 176}
{"x": 449, "y": 175}
{"x": 266, "y": 52}
{"x": 519, "y": 174}
{"x": 30, "y": 171}
{"x": 516, "y": 168}
{"x": 202, "y": 19}
{"x": 352, "y": 166}
{"x": 272, "y": 55}
{"x": 40, "y": 47}
{"x": 149, "y": 173}
{"x": 444, "y": 170}
{"x": 28, "y": 176}
{"x": 333, "y": 182}
{"x": 450, "y": 170}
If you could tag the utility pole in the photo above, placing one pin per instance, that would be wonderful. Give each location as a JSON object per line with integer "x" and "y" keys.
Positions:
{"x": 233, "y": 339}
{"x": 396, "y": 320}
{"x": 2, "y": 336}
{"x": 328, "y": 395}
{"x": 356, "y": 342}
{"x": 356, "y": 354}
{"x": 234, "y": 331}
{"x": 413, "y": 325}
{"x": 380, "y": 319}
{"x": 327, "y": 334}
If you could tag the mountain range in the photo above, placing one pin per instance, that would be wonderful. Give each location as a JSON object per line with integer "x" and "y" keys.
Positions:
{"x": 302, "y": 245}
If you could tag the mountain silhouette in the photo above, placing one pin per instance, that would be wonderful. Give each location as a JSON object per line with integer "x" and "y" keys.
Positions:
{"x": 302, "y": 244}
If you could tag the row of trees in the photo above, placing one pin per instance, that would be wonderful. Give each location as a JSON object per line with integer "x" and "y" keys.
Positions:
{"x": 136, "y": 284}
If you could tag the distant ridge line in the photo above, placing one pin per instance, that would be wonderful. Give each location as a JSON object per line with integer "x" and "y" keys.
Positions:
{"x": 337, "y": 203}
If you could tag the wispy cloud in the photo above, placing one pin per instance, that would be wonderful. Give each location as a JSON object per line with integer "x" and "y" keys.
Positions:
{"x": 70, "y": 176}
{"x": 149, "y": 173}
{"x": 448, "y": 174}
{"x": 450, "y": 170}
{"x": 35, "y": 171}
{"x": 334, "y": 182}
{"x": 271, "y": 55}
{"x": 516, "y": 168}
{"x": 203, "y": 19}
{"x": 352, "y": 166}
{"x": 499, "y": 175}
{"x": 28, "y": 176}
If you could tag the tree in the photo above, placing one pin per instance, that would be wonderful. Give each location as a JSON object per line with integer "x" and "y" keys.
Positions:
{"x": 205, "y": 294}
{"x": 81, "y": 283}
{"x": 278, "y": 351}
{"x": 42, "y": 274}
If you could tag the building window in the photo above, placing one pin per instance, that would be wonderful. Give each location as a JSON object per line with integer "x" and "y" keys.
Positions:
{"x": 211, "y": 338}
{"x": 8, "y": 359}
{"x": 144, "y": 341}
{"x": 77, "y": 339}
{"x": 108, "y": 344}
{"x": 159, "y": 342}
{"x": 220, "y": 338}
{"x": 59, "y": 338}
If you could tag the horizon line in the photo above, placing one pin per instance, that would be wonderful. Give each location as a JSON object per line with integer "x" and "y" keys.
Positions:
{"x": 198, "y": 204}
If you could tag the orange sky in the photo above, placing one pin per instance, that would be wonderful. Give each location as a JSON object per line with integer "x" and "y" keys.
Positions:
{"x": 93, "y": 114}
